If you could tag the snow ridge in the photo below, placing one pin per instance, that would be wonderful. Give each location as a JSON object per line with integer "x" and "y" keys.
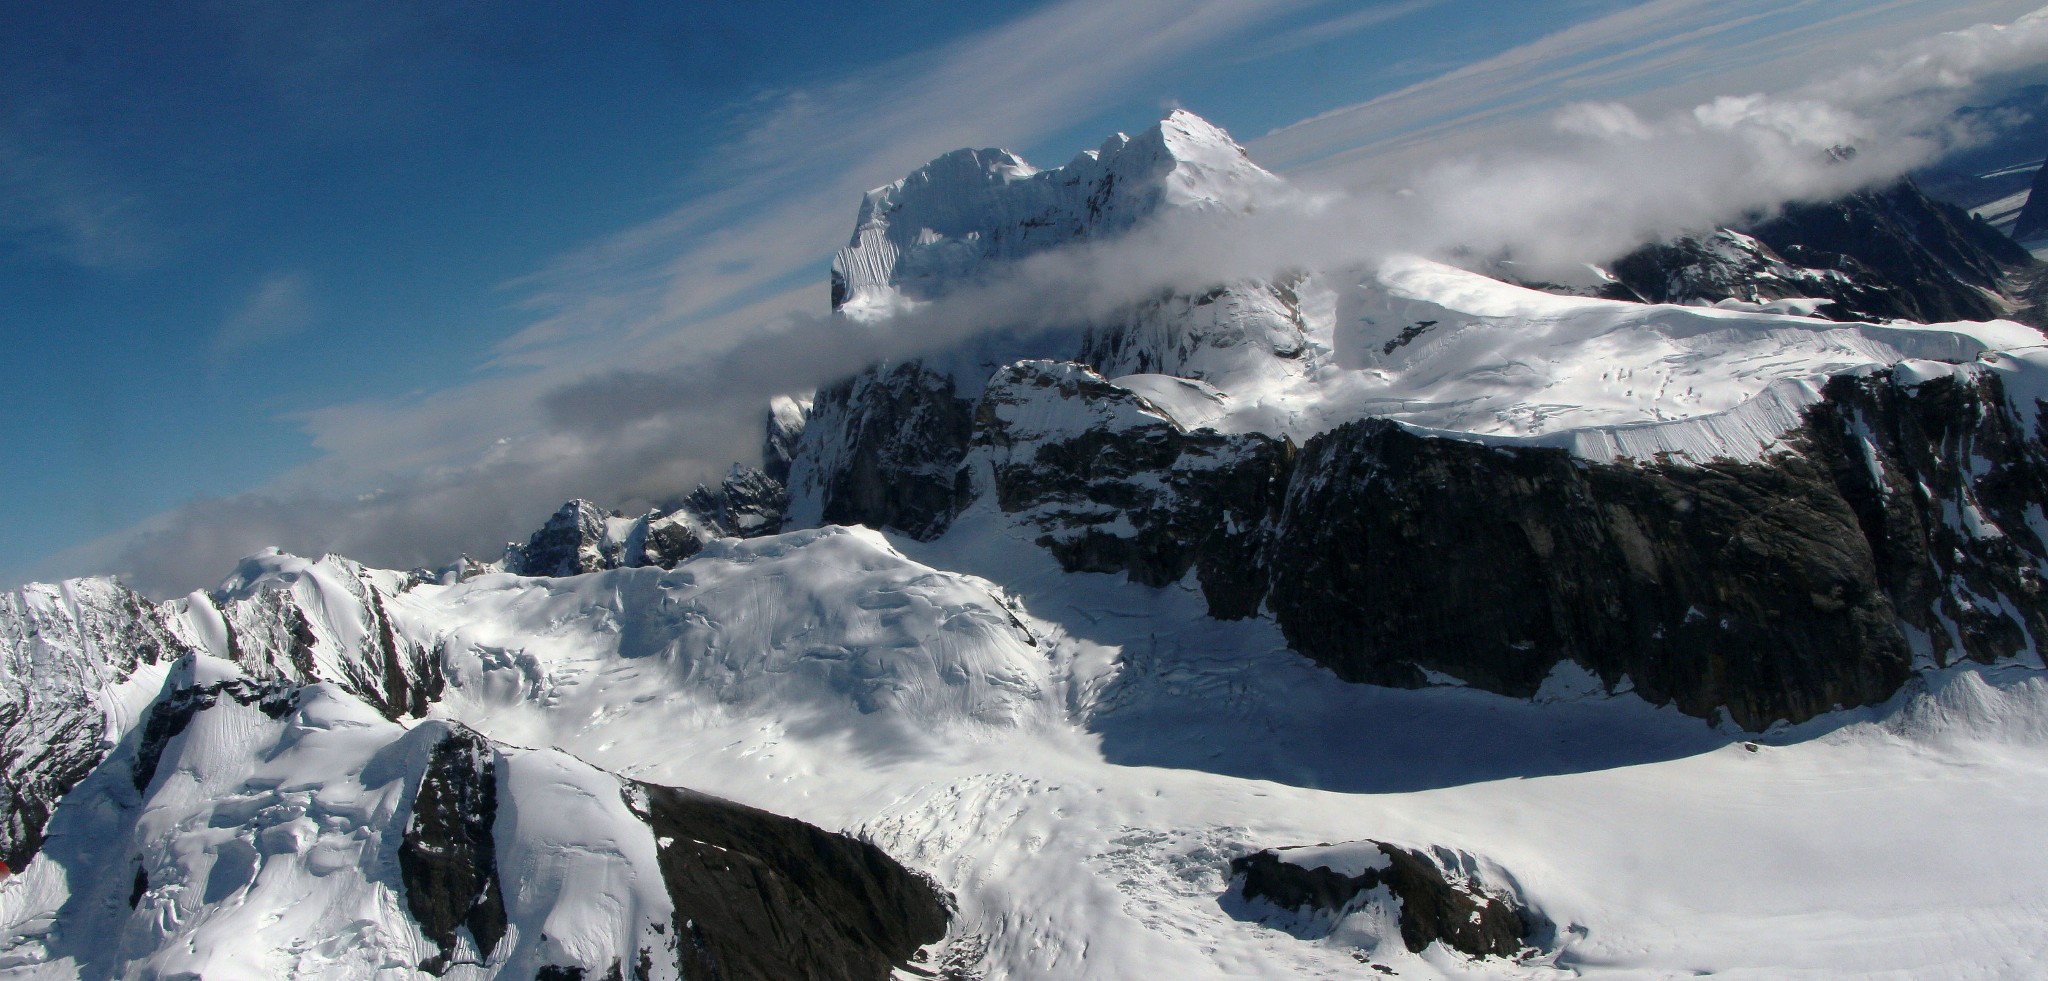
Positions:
{"x": 933, "y": 228}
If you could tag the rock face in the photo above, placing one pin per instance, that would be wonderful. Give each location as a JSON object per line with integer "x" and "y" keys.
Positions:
{"x": 1879, "y": 255}
{"x": 2033, "y": 219}
{"x": 1745, "y": 587}
{"x": 1437, "y": 896}
{"x": 760, "y": 896}
{"x": 61, "y": 648}
{"x": 324, "y": 620}
{"x": 1897, "y": 525}
{"x": 582, "y": 537}
{"x": 884, "y": 449}
{"x": 1115, "y": 484}
{"x": 447, "y": 858}
{"x": 1775, "y": 591}
{"x": 1730, "y": 266}
{"x": 1945, "y": 469}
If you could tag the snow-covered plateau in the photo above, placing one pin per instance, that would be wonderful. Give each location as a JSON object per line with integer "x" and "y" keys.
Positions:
{"x": 1399, "y": 622}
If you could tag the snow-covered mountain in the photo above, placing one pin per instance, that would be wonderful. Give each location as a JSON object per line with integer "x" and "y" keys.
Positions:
{"x": 1402, "y": 621}
{"x": 1877, "y": 256}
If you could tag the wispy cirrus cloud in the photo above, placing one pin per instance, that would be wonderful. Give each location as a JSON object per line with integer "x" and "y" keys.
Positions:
{"x": 421, "y": 478}
{"x": 279, "y": 306}
{"x": 1662, "y": 55}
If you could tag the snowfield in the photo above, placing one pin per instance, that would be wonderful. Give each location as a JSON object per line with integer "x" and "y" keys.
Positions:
{"x": 1077, "y": 759}
{"x": 1452, "y": 352}
{"x": 1094, "y": 844}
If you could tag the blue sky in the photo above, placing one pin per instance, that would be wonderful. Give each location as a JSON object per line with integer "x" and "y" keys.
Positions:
{"x": 304, "y": 274}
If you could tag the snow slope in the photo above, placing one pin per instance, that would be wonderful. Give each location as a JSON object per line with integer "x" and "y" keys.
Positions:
{"x": 1411, "y": 339}
{"x": 1095, "y": 844}
{"x": 1451, "y": 351}
{"x": 267, "y": 831}
{"x": 1077, "y": 759}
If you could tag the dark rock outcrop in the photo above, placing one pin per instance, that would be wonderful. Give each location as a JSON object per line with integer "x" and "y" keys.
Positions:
{"x": 1116, "y": 485}
{"x": 1778, "y": 590}
{"x": 1748, "y": 587}
{"x": 2032, "y": 222}
{"x": 447, "y": 857}
{"x": 574, "y": 540}
{"x": 760, "y": 897}
{"x": 1879, "y": 255}
{"x": 748, "y": 503}
{"x": 582, "y": 537}
{"x": 1729, "y": 265}
{"x": 884, "y": 449}
{"x": 1775, "y": 590}
{"x": 1438, "y": 903}
{"x": 1946, "y": 483}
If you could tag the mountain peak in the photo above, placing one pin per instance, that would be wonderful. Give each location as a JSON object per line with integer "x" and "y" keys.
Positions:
{"x": 918, "y": 235}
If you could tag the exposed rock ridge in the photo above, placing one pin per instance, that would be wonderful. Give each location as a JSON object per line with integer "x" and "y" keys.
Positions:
{"x": 1440, "y": 895}
{"x": 761, "y": 897}
{"x": 1898, "y": 530}
{"x": 1877, "y": 255}
{"x": 582, "y": 537}
{"x": 2033, "y": 217}
{"x": 62, "y": 649}
{"x": 447, "y": 856}
{"x": 884, "y": 449}
{"x": 325, "y": 620}
{"x": 1115, "y": 484}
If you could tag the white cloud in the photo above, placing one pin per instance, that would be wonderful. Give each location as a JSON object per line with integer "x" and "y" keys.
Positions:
{"x": 278, "y": 307}
{"x": 1657, "y": 56}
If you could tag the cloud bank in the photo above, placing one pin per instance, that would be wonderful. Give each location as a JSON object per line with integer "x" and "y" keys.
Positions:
{"x": 631, "y": 393}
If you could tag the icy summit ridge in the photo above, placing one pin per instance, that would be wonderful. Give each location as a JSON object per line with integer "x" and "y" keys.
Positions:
{"x": 915, "y": 237}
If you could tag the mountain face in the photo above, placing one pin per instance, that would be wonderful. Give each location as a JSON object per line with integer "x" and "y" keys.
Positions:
{"x": 65, "y": 651}
{"x": 1881, "y": 255}
{"x": 1050, "y": 646}
{"x": 245, "y": 820}
{"x": 581, "y": 537}
{"x": 971, "y": 208}
{"x": 1770, "y": 553}
{"x": 2033, "y": 216}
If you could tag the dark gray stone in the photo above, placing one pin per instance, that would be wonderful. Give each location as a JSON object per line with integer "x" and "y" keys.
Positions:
{"x": 1880, "y": 255}
{"x": 447, "y": 858}
{"x": 884, "y": 448}
{"x": 761, "y": 897}
{"x": 1460, "y": 915}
